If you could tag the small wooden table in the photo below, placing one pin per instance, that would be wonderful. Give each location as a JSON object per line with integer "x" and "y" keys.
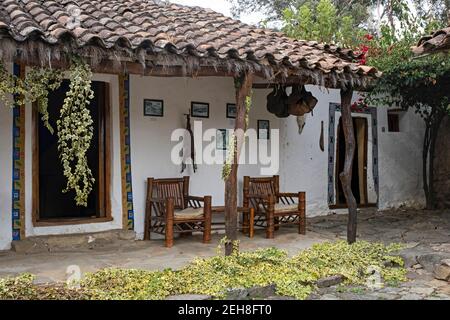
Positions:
{"x": 248, "y": 215}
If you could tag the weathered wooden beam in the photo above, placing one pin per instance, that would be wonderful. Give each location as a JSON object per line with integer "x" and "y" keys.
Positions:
{"x": 290, "y": 78}
{"x": 130, "y": 67}
{"x": 243, "y": 90}
{"x": 346, "y": 174}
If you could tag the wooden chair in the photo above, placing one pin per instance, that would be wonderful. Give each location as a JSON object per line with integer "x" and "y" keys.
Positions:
{"x": 273, "y": 208}
{"x": 170, "y": 209}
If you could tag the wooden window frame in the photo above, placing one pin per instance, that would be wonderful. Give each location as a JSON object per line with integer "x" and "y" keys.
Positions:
{"x": 393, "y": 118}
{"x": 104, "y": 207}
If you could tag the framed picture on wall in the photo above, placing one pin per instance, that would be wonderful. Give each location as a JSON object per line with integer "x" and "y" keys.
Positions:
{"x": 153, "y": 108}
{"x": 221, "y": 139}
{"x": 264, "y": 129}
{"x": 199, "y": 110}
{"x": 231, "y": 110}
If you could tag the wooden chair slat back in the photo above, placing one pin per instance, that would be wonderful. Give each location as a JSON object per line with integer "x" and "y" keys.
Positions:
{"x": 264, "y": 186}
{"x": 260, "y": 186}
{"x": 171, "y": 188}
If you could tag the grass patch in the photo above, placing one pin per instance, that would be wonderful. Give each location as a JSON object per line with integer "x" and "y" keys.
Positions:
{"x": 293, "y": 276}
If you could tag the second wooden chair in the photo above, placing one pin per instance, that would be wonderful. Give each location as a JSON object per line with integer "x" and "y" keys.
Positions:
{"x": 272, "y": 207}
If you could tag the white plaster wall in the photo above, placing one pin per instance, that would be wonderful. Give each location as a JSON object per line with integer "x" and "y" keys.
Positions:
{"x": 151, "y": 137}
{"x": 400, "y": 162}
{"x": 116, "y": 198}
{"x": 305, "y": 167}
{"x": 6, "y": 117}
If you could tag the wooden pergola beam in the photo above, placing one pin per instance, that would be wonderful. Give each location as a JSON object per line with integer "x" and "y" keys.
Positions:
{"x": 289, "y": 78}
{"x": 346, "y": 174}
{"x": 243, "y": 87}
{"x": 129, "y": 67}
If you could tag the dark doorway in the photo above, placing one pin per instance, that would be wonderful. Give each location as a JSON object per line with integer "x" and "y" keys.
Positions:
{"x": 359, "y": 173}
{"x": 52, "y": 202}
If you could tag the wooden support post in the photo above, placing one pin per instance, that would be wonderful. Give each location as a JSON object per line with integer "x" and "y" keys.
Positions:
{"x": 346, "y": 174}
{"x": 208, "y": 218}
{"x": 270, "y": 218}
{"x": 302, "y": 210}
{"x": 243, "y": 90}
{"x": 170, "y": 204}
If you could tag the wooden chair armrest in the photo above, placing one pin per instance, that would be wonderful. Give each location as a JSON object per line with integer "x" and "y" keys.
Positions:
{"x": 202, "y": 199}
{"x": 200, "y": 202}
{"x": 288, "y": 194}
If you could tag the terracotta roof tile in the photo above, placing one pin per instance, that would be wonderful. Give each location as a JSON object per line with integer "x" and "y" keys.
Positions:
{"x": 438, "y": 41}
{"x": 198, "y": 31}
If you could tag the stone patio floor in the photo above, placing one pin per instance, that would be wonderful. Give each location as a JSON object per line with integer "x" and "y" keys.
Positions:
{"x": 426, "y": 234}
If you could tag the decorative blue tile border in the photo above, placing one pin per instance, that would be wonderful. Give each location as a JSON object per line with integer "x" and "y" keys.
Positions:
{"x": 127, "y": 185}
{"x": 18, "y": 165}
{"x": 331, "y": 148}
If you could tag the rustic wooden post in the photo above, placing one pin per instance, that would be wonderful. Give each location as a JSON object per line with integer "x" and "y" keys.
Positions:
{"x": 208, "y": 213}
{"x": 346, "y": 174}
{"x": 243, "y": 86}
{"x": 302, "y": 210}
{"x": 270, "y": 219}
{"x": 170, "y": 204}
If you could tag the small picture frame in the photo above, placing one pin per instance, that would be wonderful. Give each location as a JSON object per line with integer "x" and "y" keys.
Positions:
{"x": 231, "y": 111}
{"x": 153, "y": 108}
{"x": 221, "y": 139}
{"x": 199, "y": 109}
{"x": 264, "y": 129}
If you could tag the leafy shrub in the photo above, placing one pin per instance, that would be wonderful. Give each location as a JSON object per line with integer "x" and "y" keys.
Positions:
{"x": 293, "y": 276}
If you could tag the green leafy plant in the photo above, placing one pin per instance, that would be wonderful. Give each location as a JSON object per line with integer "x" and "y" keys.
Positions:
{"x": 75, "y": 124}
{"x": 75, "y": 133}
{"x": 320, "y": 21}
{"x": 39, "y": 82}
{"x": 226, "y": 169}
{"x": 293, "y": 276}
{"x": 36, "y": 86}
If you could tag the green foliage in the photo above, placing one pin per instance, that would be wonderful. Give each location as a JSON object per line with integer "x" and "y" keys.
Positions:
{"x": 34, "y": 88}
{"x": 15, "y": 288}
{"x": 408, "y": 81}
{"x": 275, "y": 9}
{"x": 294, "y": 276}
{"x": 75, "y": 133}
{"x": 248, "y": 106}
{"x": 22, "y": 288}
{"x": 7, "y": 87}
{"x": 322, "y": 23}
{"x": 75, "y": 124}
{"x": 325, "y": 21}
{"x": 226, "y": 169}
{"x": 39, "y": 82}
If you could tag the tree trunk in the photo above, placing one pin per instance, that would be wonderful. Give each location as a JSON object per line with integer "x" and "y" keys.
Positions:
{"x": 431, "y": 134}
{"x": 243, "y": 89}
{"x": 425, "y": 153}
{"x": 346, "y": 174}
{"x": 390, "y": 14}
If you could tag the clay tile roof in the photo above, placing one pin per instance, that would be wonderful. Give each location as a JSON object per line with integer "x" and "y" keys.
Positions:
{"x": 137, "y": 24}
{"x": 438, "y": 41}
